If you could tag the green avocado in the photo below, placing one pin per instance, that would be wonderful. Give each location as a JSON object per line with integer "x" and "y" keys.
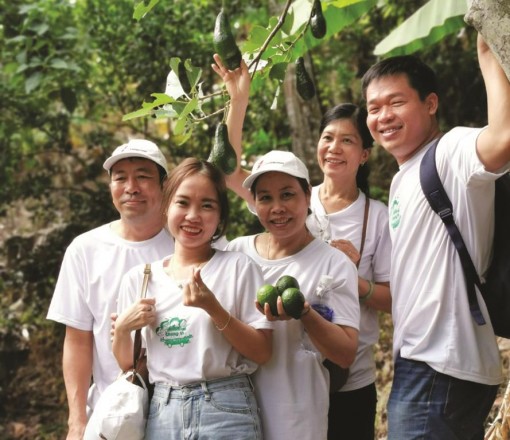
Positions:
{"x": 224, "y": 42}
{"x": 293, "y": 302}
{"x": 223, "y": 154}
{"x": 304, "y": 83}
{"x": 317, "y": 20}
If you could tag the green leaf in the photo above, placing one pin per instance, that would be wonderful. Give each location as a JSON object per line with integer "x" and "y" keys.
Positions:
{"x": 16, "y": 39}
{"x": 182, "y": 123}
{"x": 256, "y": 39}
{"x": 287, "y": 46}
{"x": 137, "y": 114}
{"x": 33, "y": 82}
{"x": 40, "y": 28}
{"x": 182, "y": 138}
{"x": 429, "y": 24}
{"x": 298, "y": 16}
{"x": 278, "y": 71}
{"x": 173, "y": 85}
{"x": 141, "y": 9}
{"x": 190, "y": 106}
{"x": 58, "y": 63}
{"x": 174, "y": 63}
{"x": 194, "y": 73}
{"x": 147, "y": 107}
{"x": 180, "y": 126}
{"x": 174, "y": 109}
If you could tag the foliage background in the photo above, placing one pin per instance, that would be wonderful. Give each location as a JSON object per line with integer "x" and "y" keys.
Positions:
{"x": 69, "y": 72}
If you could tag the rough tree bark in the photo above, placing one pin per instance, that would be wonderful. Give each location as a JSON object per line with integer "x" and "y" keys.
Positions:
{"x": 491, "y": 18}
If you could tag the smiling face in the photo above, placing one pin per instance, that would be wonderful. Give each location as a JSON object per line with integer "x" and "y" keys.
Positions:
{"x": 397, "y": 118}
{"x": 193, "y": 213}
{"x": 136, "y": 190}
{"x": 340, "y": 149}
{"x": 281, "y": 205}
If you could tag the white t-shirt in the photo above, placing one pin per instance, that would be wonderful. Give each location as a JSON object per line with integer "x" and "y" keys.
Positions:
{"x": 87, "y": 288}
{"x": 374, "y": 265}
{"x": 183, "y": 346}
{"x": 293, "y": 387}
{"x": 432, "y": 321}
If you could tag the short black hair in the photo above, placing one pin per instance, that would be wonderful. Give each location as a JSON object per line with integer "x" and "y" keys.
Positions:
{"x": 420, "y": 76}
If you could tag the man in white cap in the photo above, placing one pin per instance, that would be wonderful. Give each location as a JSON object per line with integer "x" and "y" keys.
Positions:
{"x": 86, "y": 291}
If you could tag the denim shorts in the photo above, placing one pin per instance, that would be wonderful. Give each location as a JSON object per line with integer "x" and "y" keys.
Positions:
{"x": 220, "y": 409}
{"x": 426, "y": 405}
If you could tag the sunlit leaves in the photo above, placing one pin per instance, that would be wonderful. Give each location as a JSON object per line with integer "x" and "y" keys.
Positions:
{"x": 141, "y": 9}
{"x": 274, "y": 46}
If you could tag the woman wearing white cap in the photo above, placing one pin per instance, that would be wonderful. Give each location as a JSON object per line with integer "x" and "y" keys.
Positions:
{"x": 293, "y": 387}
{"x": 344, "y": 216}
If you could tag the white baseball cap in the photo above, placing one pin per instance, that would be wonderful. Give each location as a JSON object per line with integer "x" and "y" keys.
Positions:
{"x": 280, "y": 161}
{"x": 137, "y": 148}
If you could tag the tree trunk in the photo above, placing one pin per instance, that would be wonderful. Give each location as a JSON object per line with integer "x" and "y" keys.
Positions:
{"x": 491, "y": 18}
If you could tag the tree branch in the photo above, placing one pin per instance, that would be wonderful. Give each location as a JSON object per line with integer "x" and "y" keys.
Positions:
{"x": 278, "y": 26}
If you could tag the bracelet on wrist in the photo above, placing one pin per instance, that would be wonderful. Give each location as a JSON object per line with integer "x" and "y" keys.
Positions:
{"x": 220, "y": 329}
{"x": 368, "y": 295}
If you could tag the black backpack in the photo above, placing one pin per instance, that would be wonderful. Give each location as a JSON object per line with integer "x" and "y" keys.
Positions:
{"x": 496, "y": 289}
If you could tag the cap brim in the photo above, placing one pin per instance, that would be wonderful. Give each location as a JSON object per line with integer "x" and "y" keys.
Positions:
{"x": 248, "y": 182}
{"x": 111, "y": 161}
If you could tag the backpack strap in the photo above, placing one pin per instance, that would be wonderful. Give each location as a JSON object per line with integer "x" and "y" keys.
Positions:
{"x": 441, "y": 204}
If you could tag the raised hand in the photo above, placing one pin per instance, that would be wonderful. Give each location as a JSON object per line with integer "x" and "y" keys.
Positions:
{"x": 237, "y": 82}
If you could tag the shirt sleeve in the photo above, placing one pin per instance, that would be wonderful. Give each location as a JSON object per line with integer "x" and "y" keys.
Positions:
{"x": 69, "y": 304}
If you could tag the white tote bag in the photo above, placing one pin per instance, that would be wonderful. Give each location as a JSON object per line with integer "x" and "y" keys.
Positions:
{"x": 120, "y": 412}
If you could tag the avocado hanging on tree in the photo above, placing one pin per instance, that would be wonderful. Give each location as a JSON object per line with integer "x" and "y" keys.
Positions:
{"x": 223, "y": 154}
{"x": 224, "y": 42}
{"x": 304, "y": 83}
{"x": 317, "y": 20}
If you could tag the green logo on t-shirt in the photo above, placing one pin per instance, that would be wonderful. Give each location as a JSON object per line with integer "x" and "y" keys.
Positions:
{"x": 395, "y": 213}
{"x": 173, "y": 332}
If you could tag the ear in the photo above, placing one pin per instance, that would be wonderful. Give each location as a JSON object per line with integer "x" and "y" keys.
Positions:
{"x": 308, "y": 196}
{"x": 432, "y": 103}
{"x": 365, "y": 155}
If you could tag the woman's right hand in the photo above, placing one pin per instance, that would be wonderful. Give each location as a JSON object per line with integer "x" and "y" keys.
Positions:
{"x": 347, "y": 248}
{"x": 237, "y": 82}
{"x": 138, "y": 315}
{"x": 266, "y": 310}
